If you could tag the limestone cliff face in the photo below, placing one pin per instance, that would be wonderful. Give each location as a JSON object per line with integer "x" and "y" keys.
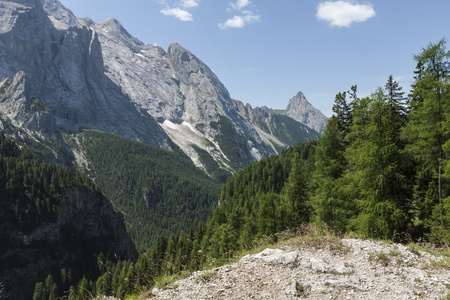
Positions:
{"x": 86, "y": 226}
{"x": 61, "y": 67}
{"x": 76, "y": 74}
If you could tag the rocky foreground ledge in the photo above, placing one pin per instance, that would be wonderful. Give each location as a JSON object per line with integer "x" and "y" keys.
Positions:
{"x": 334, "y": 269}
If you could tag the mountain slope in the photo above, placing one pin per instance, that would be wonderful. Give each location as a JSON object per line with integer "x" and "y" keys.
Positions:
{"x": 159, "y": 191}
{"x": 320, "y": 267}
{"x": 277, "y": 130}
{"x": 182, "y": 94}
{"x": 52, "y": 219}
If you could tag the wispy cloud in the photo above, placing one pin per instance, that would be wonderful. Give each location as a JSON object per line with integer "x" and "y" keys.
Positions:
{"x": 242, "y": 17}
{"x": 189, "y": 3}
{"x": 240, "y": 4}
{"x": 344, "y": 13}
{"x": 180, "y": 11}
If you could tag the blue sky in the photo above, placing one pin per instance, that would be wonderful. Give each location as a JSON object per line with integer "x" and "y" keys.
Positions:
{"x": 265, "y": 51}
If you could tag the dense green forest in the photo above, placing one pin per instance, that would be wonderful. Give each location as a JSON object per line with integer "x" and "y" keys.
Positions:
{"x": 158, "y": 191}
{"x": 32, "y": 186}
{"x": 381, "y": 169}
{"x": 31, "y": 196}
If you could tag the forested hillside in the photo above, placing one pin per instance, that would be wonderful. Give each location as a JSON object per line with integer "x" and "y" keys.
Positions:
{"x": 159, "y": 191}
{"x": 53, "y": 225}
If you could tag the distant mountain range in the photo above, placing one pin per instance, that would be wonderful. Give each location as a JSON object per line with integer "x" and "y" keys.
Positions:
{"x": 60, "y": 74}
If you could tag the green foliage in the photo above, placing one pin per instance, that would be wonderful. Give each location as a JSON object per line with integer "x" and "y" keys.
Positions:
{"x": 331, "y": 200}
{"x": 376, "y": 168}
{"x": 159, "y": 191}
{"x": 260, "y": 200}
{"x": 427, "y": 132}
{"x": 30, "y": 188}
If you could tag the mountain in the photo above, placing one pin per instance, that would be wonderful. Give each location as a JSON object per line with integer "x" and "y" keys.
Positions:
{"x": 54, "y": 80}
{"x": 301, "y": 110}
{"x": 52, "y": 221}
{"x": 60, "y": 73}
{"x": 277, "y": 130}
{"x": 186, "y": 98}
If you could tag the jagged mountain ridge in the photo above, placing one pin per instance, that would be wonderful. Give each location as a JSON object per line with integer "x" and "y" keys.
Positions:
{"x": 276, "y": 129}
{"x": 75, "y": 74}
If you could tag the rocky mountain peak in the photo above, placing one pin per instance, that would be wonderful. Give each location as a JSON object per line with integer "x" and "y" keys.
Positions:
{"x": 114, "y": 28}
{"x": 301, "y": 110}
{"x": 58, "y": 12}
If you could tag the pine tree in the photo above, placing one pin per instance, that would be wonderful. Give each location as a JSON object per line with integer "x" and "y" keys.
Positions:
{"x": 343, "y": 113}
{"x": 375, "y": 169}
{"x": 395, "y": 101}
{"x": 296, "y": 193}
{"x": 39, "y": 293}
{"x": 330, "y": 201}
{"x": 427, "y": 129}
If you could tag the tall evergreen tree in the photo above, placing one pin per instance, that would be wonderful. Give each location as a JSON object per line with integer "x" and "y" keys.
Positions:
{"x": 396, "y": 103}
{"x": 330, "y": 201}
{"x": 375, "y": 165}
{"x": 296, "y": 193}
{"x": 428, "y": 129}
{"x": 343, "y": 113}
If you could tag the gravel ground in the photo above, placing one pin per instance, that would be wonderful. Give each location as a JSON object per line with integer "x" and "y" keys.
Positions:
{"x": 348, "y": 269}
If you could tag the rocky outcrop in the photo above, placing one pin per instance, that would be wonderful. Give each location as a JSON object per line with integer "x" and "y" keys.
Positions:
{"x": 301, "y": 110}
{"x": 349, "y": 269}
{"x": 86, "y": 226}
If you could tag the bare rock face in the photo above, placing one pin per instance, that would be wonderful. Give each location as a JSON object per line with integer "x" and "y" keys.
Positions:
{"x": 88, "y": 75}
{"x": 61, "y": 67}
{"x": 301, "y": 110}
{"x": 182, "y": 94}
{"x": 86, "y": 226}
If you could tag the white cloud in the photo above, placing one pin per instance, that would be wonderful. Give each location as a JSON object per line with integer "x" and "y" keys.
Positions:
{"x": 343, "y": 13}
{"x": 240, "y": 21}
{"x": 189, "y": 3}
{"x": 178, "y": 13}
{"x": 235, "y": 22}
{"x": 245, "y": 17}
{"x": 240, "y": 4}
